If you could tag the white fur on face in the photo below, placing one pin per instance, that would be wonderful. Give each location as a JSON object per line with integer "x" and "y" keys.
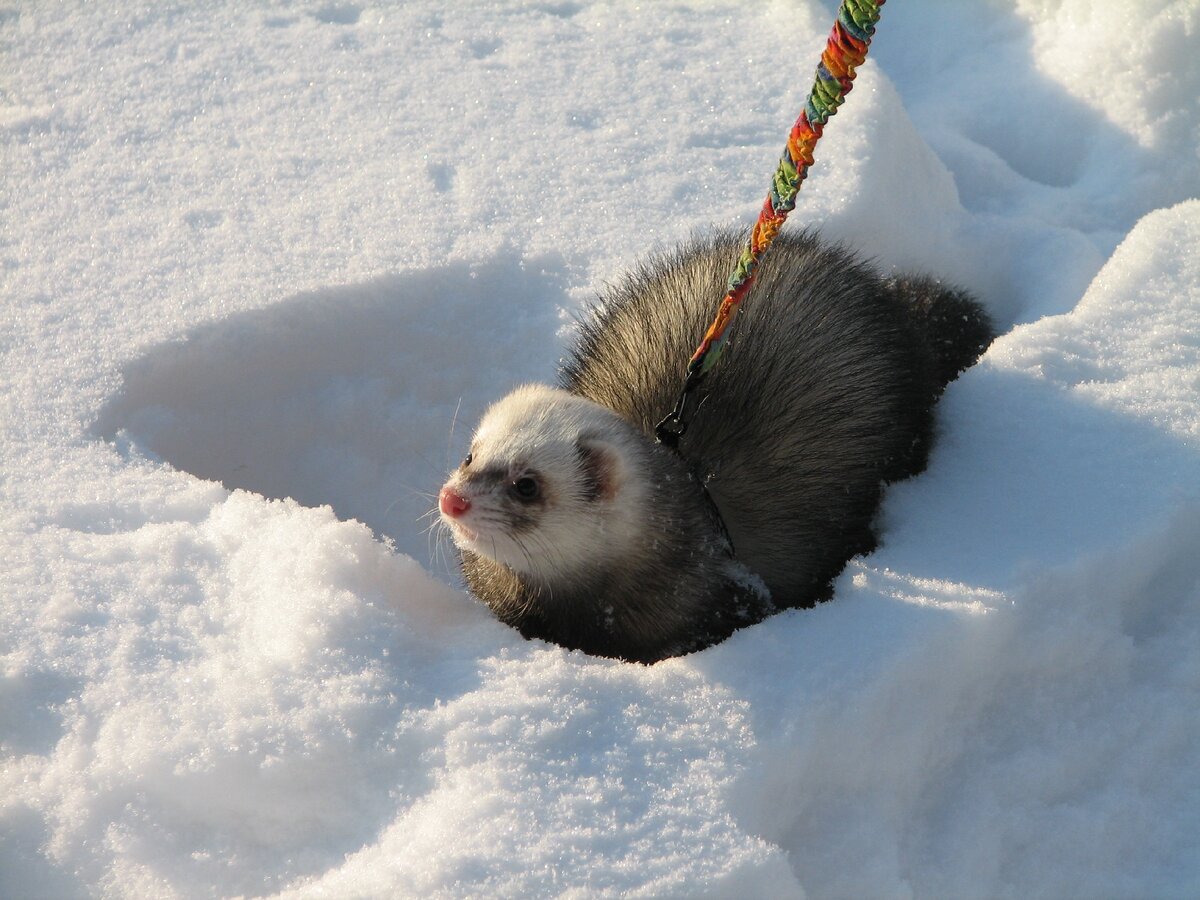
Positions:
{"x": 539, "y": 431}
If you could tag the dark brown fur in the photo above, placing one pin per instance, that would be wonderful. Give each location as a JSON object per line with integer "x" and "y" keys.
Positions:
{"x": 824, "y": 394}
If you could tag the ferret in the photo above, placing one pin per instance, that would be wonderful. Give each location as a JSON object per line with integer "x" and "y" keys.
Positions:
{"x": 576, "y": 526}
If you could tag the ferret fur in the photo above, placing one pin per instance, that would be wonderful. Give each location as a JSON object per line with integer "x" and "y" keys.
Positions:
{"x": 824, "y": 394}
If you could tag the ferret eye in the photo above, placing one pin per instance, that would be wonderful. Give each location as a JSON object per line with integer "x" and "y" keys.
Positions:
{"x": 526, "y": 488}
{"x": 466, "y": 462}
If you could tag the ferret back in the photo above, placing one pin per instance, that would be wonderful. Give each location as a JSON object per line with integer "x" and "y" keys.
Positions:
{"x": 824, "y": 392}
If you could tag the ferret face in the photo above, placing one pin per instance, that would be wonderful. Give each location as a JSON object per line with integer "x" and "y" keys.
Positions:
{"x": 545, "y": 488}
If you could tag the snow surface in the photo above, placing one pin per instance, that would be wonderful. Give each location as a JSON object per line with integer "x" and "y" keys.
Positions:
{"x": 255, "y": 252}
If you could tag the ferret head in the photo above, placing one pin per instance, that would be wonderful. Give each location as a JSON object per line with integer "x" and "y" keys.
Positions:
{"x": 549, "y": 488}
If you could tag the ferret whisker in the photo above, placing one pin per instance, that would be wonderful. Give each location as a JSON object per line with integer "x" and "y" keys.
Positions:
{"x": 419, "y": 492}
{"x": 441, "y": 545}
{"x": 431, "y": 543}
{"x": 450, "y": 439}
{"x": 424, "y": 495}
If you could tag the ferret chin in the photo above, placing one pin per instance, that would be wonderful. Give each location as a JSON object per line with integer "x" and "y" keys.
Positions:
{"x": 575, "y": 526}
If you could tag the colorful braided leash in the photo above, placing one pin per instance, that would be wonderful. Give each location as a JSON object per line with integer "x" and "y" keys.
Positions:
{"x": 844, "y": 53}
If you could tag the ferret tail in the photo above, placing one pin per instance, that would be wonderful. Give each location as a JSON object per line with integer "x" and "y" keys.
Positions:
{"x": 956, "y": 328}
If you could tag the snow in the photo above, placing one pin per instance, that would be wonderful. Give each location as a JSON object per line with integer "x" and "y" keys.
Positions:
{"x": 262, "y": 267}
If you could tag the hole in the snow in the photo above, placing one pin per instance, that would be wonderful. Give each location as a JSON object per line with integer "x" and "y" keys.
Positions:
{"x": 346, "y": 396}
{"x": 338, "y": 14}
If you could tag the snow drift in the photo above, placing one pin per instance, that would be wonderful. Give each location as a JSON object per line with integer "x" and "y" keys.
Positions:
{"x": 261, "y": 270}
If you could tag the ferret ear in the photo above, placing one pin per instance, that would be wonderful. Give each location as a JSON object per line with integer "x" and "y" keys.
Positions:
{"x": 599, "y": 463}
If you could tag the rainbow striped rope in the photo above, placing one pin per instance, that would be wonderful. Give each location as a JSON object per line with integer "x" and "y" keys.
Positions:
{"x": 844, "y": 53}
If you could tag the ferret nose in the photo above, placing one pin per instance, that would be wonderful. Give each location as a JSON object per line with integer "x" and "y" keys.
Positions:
{"x": 452, "y": 503}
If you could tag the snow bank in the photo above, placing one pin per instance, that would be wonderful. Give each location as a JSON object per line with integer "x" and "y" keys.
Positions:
{"x": 1030, "y": 731}
{"x": 262, "y": 269}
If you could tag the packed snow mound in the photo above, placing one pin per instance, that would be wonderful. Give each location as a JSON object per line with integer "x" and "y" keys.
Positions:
{"x": 263, "y": 267}
{"x": 327, "y": 396}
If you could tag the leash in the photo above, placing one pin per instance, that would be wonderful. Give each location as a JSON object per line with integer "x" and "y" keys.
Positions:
{"x": 844, "y": 53}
